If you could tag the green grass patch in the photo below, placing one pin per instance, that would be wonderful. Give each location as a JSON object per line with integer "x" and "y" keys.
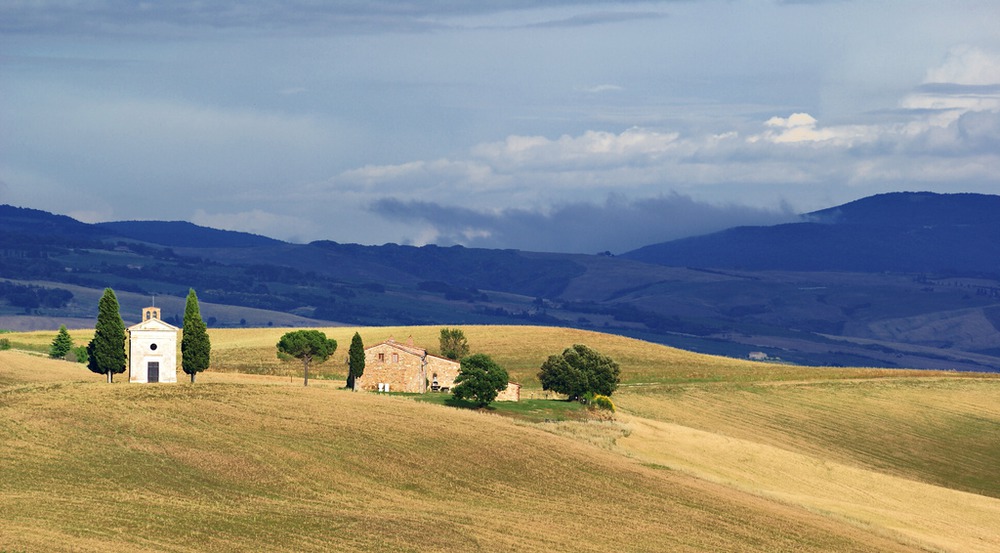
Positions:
{"x": 529, "y": 410}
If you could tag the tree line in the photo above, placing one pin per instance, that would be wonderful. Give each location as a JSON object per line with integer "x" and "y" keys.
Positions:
{"x": 580, "y": 372}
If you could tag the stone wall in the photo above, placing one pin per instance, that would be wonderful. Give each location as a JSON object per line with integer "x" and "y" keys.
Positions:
{"x": 400, "y": 368}
{"x": 443, "y": 370}
{"x": 512, "y": 393}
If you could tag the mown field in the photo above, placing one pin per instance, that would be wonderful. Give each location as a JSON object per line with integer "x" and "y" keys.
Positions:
{"x": 705, "y": 454}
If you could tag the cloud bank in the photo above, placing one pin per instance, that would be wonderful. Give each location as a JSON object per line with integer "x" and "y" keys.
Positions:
{"x": 945, "y": 140}
{"x": 617, "y": 225}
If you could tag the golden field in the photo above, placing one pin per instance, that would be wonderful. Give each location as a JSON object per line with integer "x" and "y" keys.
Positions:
{"x": 520, "y": 349}
{"x": 706, "y": 454}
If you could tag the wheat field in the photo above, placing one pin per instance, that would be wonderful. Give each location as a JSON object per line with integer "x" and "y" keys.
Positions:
{"x": 706, "y": 454}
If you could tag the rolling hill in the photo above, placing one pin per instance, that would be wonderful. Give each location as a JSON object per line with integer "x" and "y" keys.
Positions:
{"x": 706, "y": 454}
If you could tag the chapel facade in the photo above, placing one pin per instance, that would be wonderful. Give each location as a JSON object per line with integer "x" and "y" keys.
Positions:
{"x": 152, "y": 349}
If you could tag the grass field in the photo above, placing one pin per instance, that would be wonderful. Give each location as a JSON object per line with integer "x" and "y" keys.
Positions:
{"x": 706, "y": 454}
{"x": 520, "y": 349}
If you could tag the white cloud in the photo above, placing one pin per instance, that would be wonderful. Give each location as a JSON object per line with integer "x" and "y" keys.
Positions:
{"x": 802, "y": 127}
{"x": 967, "y": 65}
{"x": 592, "y": 148}
{"x": 968, "y": 80}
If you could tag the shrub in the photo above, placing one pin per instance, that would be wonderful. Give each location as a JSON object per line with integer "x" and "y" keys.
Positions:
{"x": 602, "y": 402}
{"x": 78, "y": 354}
{"x": 4, "y": 343}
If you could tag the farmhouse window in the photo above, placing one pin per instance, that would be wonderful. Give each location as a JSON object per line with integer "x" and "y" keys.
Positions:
{"x": 395, "y": 358}
{"x": 381, "y": 358}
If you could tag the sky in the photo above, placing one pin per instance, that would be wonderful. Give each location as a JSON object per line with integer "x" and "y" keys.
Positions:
{"x": 577, "y": 127}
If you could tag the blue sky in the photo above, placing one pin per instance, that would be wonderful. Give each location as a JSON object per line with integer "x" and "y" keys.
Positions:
{"x": 581, "y": 126}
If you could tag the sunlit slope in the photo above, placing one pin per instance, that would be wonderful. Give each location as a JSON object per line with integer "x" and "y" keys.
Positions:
{"x": 237, "y": 467}
{"x": 520, "y": 349}
{"x": 937, "y": 518}
{"x": 938, "y": 430}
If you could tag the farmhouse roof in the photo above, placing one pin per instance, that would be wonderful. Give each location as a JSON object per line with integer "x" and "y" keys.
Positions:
{"x": 409, "y": 348}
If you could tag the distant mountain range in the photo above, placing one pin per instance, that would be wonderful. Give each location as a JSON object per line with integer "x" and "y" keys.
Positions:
{"x": 902, "y": 279}
{"x": 900, "y": 232}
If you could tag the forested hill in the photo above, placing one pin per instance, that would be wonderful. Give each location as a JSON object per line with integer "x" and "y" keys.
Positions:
{"x": 901, "y": 232}
{"x": 22, "y": 227}
{"x": 181, "y": 234}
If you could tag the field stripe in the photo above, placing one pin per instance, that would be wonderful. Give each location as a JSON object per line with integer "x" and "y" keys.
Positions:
{"x": 938, "y": 517}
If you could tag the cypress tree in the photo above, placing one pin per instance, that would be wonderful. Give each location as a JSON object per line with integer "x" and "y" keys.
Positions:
{"x": 106, "y": 352}
{"x": 196, "y": 349}
{"x": 62, "y": 344}
{"x": 355, "y": 360}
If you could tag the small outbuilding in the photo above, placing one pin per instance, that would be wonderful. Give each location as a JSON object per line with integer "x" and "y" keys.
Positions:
{"x": 152, "y": 349}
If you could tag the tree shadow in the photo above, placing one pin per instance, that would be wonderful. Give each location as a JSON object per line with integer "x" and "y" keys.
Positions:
{"x": 466, "y": 404}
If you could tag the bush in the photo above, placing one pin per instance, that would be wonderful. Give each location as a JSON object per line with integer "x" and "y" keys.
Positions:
{"x": 78, "y": 354}
{"x": 602, "y": 402}
{"x": 4, "y": 343}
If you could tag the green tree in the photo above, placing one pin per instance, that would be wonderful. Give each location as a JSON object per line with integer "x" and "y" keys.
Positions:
{"x": 580, "y": 370}
{"x": 79, "y": 354}
{"x": 479, "y": 379}
{"x": 453, "y": 343}
{"x": 307, "y": 346}
{"x": 355, "y": 360}
{"x": 106, "y": 352}
{"x": 62, "y": 344}
{"x": 196, "y": 349}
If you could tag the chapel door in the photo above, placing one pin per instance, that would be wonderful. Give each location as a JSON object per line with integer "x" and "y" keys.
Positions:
{"x": 153, "y": 371}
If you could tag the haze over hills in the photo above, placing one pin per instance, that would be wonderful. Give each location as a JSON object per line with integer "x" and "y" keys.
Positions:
{"x": 896, "y": 280}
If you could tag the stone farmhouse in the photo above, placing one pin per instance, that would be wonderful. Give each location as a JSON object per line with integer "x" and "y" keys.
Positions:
{"x": 152, "y": 349}
{"x": 394, "y": 367}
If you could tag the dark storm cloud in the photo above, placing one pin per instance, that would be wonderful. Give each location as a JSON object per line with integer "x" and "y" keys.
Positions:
{"x": 617, "y": 225}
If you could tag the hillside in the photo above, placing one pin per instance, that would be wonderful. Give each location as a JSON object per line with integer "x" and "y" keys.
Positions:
{"x": 181, "y": 234}
{"x": 284, "y": 468}
{"x": 924, "y": 291}
{"x": 901, "y": 232}
{"x": 706, "y": 454}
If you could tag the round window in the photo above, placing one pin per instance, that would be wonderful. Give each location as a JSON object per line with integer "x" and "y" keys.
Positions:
{"x": 152, "y": 347}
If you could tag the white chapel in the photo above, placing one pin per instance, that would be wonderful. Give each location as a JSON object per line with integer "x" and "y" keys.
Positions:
{"x": 152, "y": 349}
